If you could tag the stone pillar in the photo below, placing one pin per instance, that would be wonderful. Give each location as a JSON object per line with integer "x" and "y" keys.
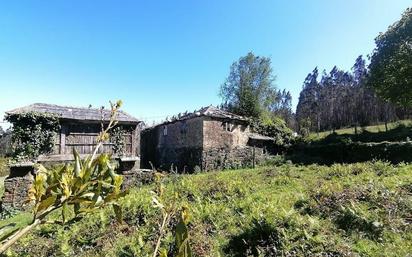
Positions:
{"x": 16, "y": 187}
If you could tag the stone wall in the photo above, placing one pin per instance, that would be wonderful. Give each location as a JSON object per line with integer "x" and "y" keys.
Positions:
{"x": 202, "y": 143}
{"x": 16, "y": 187}
{"x": 137, "y": 178}
{"x": 225, "y": 145}
{"x": 229, "y": 158}
{"x": 176, "y": 145}
{"x": 148, "y": 146}
{"x": 181, "y": 134}
{"x": 224, "y": 134}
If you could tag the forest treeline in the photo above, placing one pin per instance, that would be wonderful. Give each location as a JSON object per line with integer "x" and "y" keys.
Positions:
{"x": 328, "y": 101}
{"x": 338, "y": 99}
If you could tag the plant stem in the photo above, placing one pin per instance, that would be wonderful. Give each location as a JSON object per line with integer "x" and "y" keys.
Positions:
{"x": 12, "y": 239}
{"x": 95, "y": 151}
{"x": 5, "y": 244}
{"x": 160, "y": 235}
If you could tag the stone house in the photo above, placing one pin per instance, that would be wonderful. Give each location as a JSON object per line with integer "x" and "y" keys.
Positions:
{"x": 207, "y": 139}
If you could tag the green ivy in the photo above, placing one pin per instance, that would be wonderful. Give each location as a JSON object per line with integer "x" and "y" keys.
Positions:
{"x": 117, "y": 138}
{"x": 33, "y": 134}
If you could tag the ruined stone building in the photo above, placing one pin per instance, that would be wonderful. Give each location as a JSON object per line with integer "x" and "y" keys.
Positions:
{"x": 207, "y": 139}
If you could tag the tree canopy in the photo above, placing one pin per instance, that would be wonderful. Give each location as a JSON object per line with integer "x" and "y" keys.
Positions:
{"x": 391, "y": 62}
{"x": 249, "y": 89}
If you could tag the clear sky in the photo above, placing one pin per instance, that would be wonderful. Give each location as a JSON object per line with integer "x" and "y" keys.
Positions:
{"x": 166, "y": 57}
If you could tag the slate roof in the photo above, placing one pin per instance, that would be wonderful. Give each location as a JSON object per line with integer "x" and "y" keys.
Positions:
{"x": 74, "y": 113}
{"x": 209, "y": 111}
{"x": 260, "y": 137}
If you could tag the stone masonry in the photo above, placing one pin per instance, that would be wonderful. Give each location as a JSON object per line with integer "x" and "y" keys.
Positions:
{"x": 16, "y": 187}
{"x": 208, "y": 139}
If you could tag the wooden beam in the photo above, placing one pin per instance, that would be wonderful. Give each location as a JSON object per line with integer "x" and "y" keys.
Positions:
{"x": 63, "y": 132}
{"x": 134, "y": 137}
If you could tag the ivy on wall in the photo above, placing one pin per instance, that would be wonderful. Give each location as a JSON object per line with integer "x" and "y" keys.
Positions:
{"x": 33, "y": 134}
{"x": 118, "y": 139}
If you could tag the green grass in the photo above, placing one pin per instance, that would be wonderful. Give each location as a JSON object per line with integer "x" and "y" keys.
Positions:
{"x": 361, "y": 209}
{"x": 2, "y": 186}
{"x": 351, "y": 131}
{"x": 4, "y": 169}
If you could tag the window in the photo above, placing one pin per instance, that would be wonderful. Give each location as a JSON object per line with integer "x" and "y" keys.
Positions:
{"x": 227, "y": 126}
{"x": 183, "y": 128}
{"x": 164, "y": 130}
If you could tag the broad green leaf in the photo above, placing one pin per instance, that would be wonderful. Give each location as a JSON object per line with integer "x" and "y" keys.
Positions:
{"x": 46, "y": 203}
{"x": 163, "y": 253}
{"x": 77, "y": 166}
{"x": 65, "y": 211}
{"x": 182, "y": 236}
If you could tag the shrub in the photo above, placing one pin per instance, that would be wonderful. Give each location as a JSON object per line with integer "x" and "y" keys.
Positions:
{"x": 33, "y": 134}
{"x": 261, "y": 238}
{"x": 276, "y": 128}
{"x": 350, "y": 152}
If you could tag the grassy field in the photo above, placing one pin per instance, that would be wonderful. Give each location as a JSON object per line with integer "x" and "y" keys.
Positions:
{"x": 371, "y": 129}
{"x": 360, "y": 209}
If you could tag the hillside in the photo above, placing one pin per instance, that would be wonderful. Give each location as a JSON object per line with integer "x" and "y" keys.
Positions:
{"x": 374, "y": 129}
{"x": 342, "y": 210}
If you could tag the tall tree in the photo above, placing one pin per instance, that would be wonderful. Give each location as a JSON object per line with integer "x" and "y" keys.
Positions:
{"x": 283, "y": 107}
{"x": 359, "y": 72}
{"x": 391, "y": 62}
{"x": 307, "y": 110}
{"x": 249, "y": 89}
{"x": 341, "y": 99}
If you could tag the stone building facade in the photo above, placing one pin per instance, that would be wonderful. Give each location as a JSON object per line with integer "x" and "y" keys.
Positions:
{"x": 207, "y": 139}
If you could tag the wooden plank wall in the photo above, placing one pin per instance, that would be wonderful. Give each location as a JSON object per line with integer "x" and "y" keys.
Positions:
{"x": 82, "y": 137}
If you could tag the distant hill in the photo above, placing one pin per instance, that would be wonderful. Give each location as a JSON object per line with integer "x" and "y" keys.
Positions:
{"x": 397, "y": 131}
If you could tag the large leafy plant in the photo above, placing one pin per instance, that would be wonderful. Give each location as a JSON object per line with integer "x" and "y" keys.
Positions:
{"x": 169, "y": 211}
{"x": 75, "y": 190}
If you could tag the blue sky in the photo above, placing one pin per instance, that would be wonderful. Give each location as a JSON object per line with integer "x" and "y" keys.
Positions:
{"x": 166, "y": 57}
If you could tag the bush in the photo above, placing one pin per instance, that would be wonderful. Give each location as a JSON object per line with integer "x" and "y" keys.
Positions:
{"x": 350, "y": 152}
{"x": 276, "y": 128}
{"x": 261, "y": 238}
